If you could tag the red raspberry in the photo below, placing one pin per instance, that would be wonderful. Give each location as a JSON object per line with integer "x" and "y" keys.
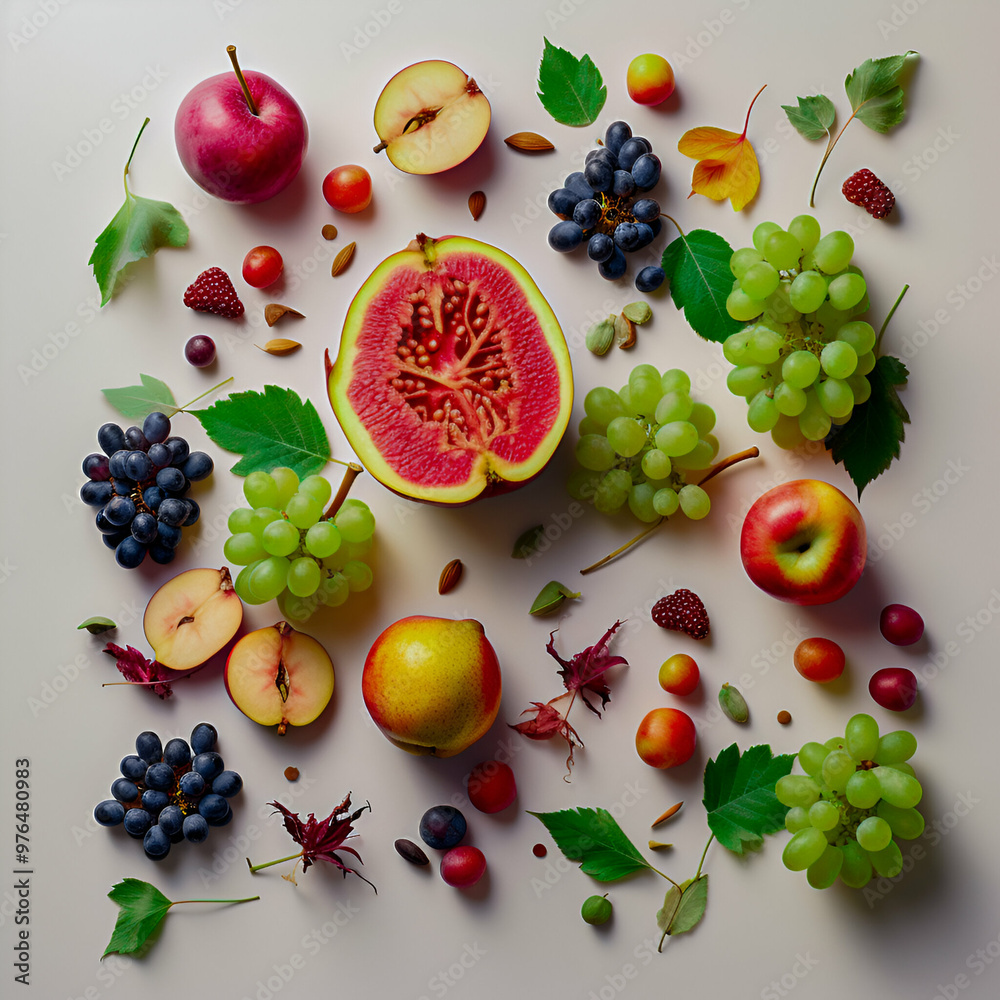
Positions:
{"x": 865, "y": 189}
{"x": 682, "y": 611}
{"x": 213, "y": 292}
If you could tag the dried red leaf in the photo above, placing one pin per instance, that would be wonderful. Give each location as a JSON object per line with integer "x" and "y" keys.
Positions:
{"x": 136, "y": 669}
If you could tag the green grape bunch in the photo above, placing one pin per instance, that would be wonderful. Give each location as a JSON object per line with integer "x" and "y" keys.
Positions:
{"x": 291, "y": 550}
{"x": 857, "y": 796}
{"x": 640, "y": 445}
{"x": 802, "y": 360}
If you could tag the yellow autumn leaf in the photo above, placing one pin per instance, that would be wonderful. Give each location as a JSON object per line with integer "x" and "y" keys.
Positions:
{"x": 727, "y": 164}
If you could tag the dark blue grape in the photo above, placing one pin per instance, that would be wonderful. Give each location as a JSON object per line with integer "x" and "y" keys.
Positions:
{"x": 152, "y": 497}
{"x": 631, "y": 150}
{"x": 113, "y": 541}
{"x": 576, "y": 183}
{"x": 208, "y": 764}
{"x": 179, "y": 448}
{"x": 601, "y": 153}
{"x": 110, "y": 812}
{"x": 646, "y": 171}
{"x": 171, "y": 479}
{"x": 645, "y": 232}
{"x": 161, "y": 554}
{"x": 159, "y": 455}
{"x": 129, "y": 553}
{"x": 138, "y": 466}
{"x": 144, "y": 527}
{"x": 649, "y": 278}
{"x": 442, "y": 827}
{"x": 645, "y": 210}
{"x": 616, "y": 134}
{"x": 116, "y": 464}
{"x": 203, "y": 737}
{"x": 160, "y": 776}
{"x": 194, "y": 512}
{"x": 124, "y": 790}
{"x": 171, "y": 820}
{"x": 213, "y": 806}
{"x": 225, "y": 818}
{"x": 95, "y": 467}
{"x": 626, "y": 236}
{"x": 156, "y": 427}
{"x": 111, "y": 438}
{"x": 227, "y": 784}
{"x": 645, "y": 142}
{"x": 149, "y": 747}
{"x": 154, "y": 800}
{"x": 191, "y": 783}
{"x": 137, "y": 822}
{"x": 197, "y": 466}
{"x": 168, "y": 535}
{"x": 562, "y": 201}
{"x": 599, "y": 174}
{"x": 614, "y": 267}
{"x": 133, "y": 767}
{"x": 587, "y": 213}
{"x": 105, "y": 526}
{"x": 195, "y": 828}
{"x": 656, "y": 225}
{"x": 565, "y": 236}
{"x": 124, "y": 487}
{"x": 119, "y": 511}
{"x": 600, "y": 247}
{"x": 156, "y": 843}
{"x": 135, "y": 439}
{"x": 96, "y": 494}
{"x": 172, "y": 511}
{"x": 176, "y": 753}
{"x": 623, "y": 184}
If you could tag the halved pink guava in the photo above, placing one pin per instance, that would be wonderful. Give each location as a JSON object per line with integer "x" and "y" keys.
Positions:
{"x": 453, "y": 379}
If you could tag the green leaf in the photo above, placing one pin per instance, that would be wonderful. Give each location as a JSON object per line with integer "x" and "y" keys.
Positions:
{"x": 683, "y": 906}
{"x": 97, "y": 625}
{"x": 143, "y": 906}
{"x": 869, "y": 442}
{"x": 592, "y": 837}
{"x": 697, "y": 267}
{"x": 136, "y": 401}
{"x": 268, "y": 429}
{"x": 527, "y": 542}
{"x": 813, "y": 117}
{"x": 139, "y": 228}
{"x": 551, "y": 598}
{"x": 570, "y": 89}
{"x": 874, "y": 92}
{"x": 739, "y": 796}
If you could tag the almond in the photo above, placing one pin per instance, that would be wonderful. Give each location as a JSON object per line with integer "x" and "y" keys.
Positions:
{"x": 279, "y": 346}
{"x": 477, "y": 202}
{"x": 450, "y": 576}
{"x": 529, "y": 142}
{"x": 342, "y": 259}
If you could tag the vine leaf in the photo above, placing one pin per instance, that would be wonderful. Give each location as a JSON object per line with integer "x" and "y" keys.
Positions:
{"x": 570, "y": 89}
{"x": 137, "y": 401}
{"x": 594, "y": 838}
{"x": 813, "y": 117}
{"x": 874, "y": 92}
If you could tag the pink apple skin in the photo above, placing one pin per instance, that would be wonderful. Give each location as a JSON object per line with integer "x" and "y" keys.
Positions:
{"x": 804, "y": 542}
{"x": 232, "y": 153}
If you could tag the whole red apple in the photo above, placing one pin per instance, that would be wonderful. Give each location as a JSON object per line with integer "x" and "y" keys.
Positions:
{"x": 666, "y": 737}
{"x": 241, "y": 136}
{"x": 804, "y": 542}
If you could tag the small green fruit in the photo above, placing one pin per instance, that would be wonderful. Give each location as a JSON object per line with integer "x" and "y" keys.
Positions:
{"x": 596, "y": 910}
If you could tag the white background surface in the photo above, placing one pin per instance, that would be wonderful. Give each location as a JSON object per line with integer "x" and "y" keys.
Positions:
{"x": 931, "y": 518}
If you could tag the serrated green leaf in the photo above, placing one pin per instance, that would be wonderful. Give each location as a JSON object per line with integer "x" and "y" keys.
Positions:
{"x": 869, "y": 442}
{"x": 697, "y": 267}
{"x": 137, "y": 401}
{"x": 592, "y": 837}
{"x": 570, "y": 89}
{"x": 268, "y": 429}
{"x": 874, "y": 92}
{"x": 143, "y": 906}
{"x": 97, "y": 624}
{"x": 813, "y": 117}
{"x": 739, "y": 795}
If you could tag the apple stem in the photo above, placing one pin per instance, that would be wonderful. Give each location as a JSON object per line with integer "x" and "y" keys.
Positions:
{"x": 251, "y": 103}
{"x": 268, "y": 864}
{"x": 352, "y": 473}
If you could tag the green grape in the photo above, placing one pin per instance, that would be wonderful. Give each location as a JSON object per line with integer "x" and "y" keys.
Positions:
{"x": 304, "y": 577}
{"x": 761, "y": 232}
{"x": 242, "y": 585}
{"x": 243, "y": 548}
{"x": 889, "y": 861}
{"x": 296, "y": 609}
{"x": 358, "y": 574}
{"x": 906, "y": 824}
{"x": 280, "y": 538}
{"x": 895, "y": 747}
{"x": 806, "y": 230}
{"x": 898, "y": 788}
{"x": 859, "y": 334}
{"x": 831, "y": 319}
{"x": 803, "y": 849}
{"x": 863, "y": 790}
{"x": 833, "y": 252}
{"x": 800, "y": 369}
{"x": 240, "y": 520}
{"x": 836, "y": 743}
{"x": 700, "y": 456}
{"x": 260, "y": 490}
{"x": 318, "y": 488}
{"x": 861, "y": 734}
{"x": 610, "y": 495}
{"x": 594, "y": 452}
{"x": 322, "y": 539}
{"x": 860, "y": 387}
{"x": 357, "y": 550}
{"x": 779, "y": 305}
{"x": 811, "y": 757}
{"x": 262, "y": 517}
{"x": 734, "y": 347}
{"x": 823, "y": 872}
{"x": 355, "y": 524}
{"x": 287, "y": 481}
{"x": 814, "y": 421}
{"x": 334, "y": 590}
{"x": 847, "y": 290}
{"x": 590, "y": 426}
{"x": 742, "y": 259}
{"x": 796, "y": 790}
{"x": 857, "y": 868}
{"x": 824, "y": 815}
{"x": 788, "y": 400}
{"x": 676, "y": 438}
{"x": 268, "y": 578}
{"x": 625, "y": 395}
{"x": 837, "y": 769}
{"x": 782, "y": 250}
{"x": 665, "y": 502}
{"x": 764, "y": 345}
{"x": 627, "y": 436}
{"x": 303, "y": 511}
{"x": 580, "y": 485}
{"x": 763, "y": 412}
{"x": 645, "y": 394}
{"x": 640, "y": 502}
{"x": 741, "y": 307}
{"x": 703, "y": 417}
{"x": 694, "y": 501}
{"x": 656, "y": 465}
{"x": 675, "y": 380}
{"x": 673, "y": 406}
{"x": 838, "y": 359}
{"x": 760, "y": 280}
{"x": 603, "y": 405}
{"x": 835, "y": 397}
{"x": 807, "y": 292}
{"x": 797, "y": 818}
{"x": 866, "y": 362}
{"x": 787, "y": 434}
{"x": 748, "y": 380}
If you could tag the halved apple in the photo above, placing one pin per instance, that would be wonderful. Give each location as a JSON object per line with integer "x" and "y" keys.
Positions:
{"x": 430, "y": 117}
{"x": 191, "y": 617}
{"x": 280, "y": 677}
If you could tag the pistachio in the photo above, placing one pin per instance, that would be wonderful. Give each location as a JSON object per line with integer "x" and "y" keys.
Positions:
{"x": 551, "y": 598}
{"x": 273, "y": 311}
{"x": 97, "y": 625}
{"x": 450, "y": 576}
{"x": 733, "y": 703}
{"x": 624, "y": 332}
{"x": 638, "y": 312}
{"x": 601, "y": 336}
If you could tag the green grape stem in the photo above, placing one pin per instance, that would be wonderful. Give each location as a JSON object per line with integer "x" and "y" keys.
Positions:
{"x": 829, "y": 149}
{"x": 885, "y": 322}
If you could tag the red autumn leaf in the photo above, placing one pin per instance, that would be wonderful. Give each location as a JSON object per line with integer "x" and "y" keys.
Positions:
{"x": 584, "y": 672}
{"x": 136, "y": 669}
